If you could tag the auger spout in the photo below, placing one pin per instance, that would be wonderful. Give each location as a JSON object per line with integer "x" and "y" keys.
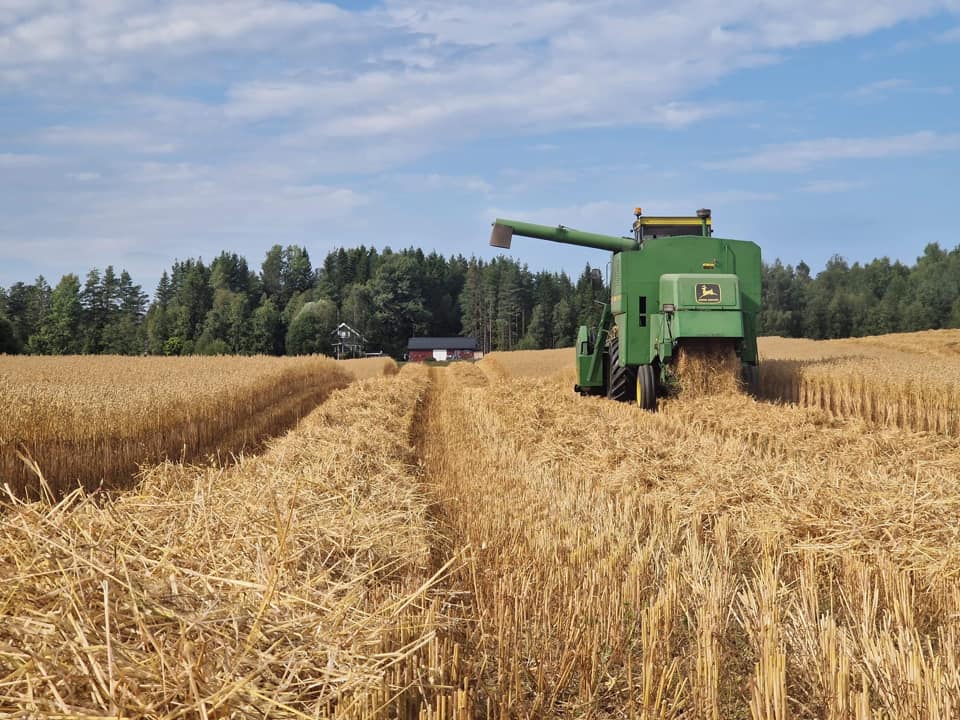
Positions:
{"x": 504, "y": 230}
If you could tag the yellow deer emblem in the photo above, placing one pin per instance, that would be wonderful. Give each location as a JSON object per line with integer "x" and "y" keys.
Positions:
{"x": 708, "y": 293}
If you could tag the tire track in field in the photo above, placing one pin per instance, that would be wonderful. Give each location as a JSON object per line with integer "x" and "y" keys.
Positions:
{"x": 458, "y": 647}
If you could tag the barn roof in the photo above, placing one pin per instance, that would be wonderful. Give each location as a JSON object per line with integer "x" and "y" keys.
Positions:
{"x": 442, "y": 343}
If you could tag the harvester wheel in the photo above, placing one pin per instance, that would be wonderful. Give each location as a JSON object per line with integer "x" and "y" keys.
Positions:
{"x": 621, "y": 384}
{"x": 647, "y": 387}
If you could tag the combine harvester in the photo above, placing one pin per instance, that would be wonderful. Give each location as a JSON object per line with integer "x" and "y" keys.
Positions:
{"x": 675, "y": 289}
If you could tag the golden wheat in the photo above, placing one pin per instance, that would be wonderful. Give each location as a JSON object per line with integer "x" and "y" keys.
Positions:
{"x": 93, "y": 420}
{"x": 909, "y": 381}
{"x": 363, "y": 368}
{"x": 295, "y": 584}
{"x": 531, "y": 363}
{"x": 725, "y": 558}
{"x": 466, "y": 542}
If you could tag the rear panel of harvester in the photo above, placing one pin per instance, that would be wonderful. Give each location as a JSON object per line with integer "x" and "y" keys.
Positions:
{"x": 637, "y": 293}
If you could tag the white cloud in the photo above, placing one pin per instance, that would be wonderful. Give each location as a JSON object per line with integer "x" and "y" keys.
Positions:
{"x": 329, "y": 201}
{"x": 722, "y": 198}
{"x": 20, "y": 160}
{"x": 681, "y": 114}
{"x": 518, "y": 181}
{"x": 132, "y": 140}
{"x": 595, "y": 215}
{"x": 880, "y": 87}
{"x": 800, "y": 156}
{"x": 439, "y": 181}
{"x": 264, "y": 117}
{"x": 465, "y": 69}
{"x": 951, "y": 35}
{"x": 83, "y": 176}
{"x": 89, "y": 31}
{"x": 144, "y": 215}
{"x": 457, "y": 69}
{"x": 495, "y": 22}
{"x": 831, "y": 186}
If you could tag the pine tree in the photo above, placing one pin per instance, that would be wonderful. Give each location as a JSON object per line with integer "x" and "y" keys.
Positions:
{"x": 59, "y": 333}
{"x": 563, "y": 324}
{"x": 94, "y": 318}
{"x": 37, "y": 307}
{"x": 538, "y": 335}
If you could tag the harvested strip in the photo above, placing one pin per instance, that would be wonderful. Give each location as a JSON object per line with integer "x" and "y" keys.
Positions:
{"x": 298, "y": 583}
{"x": 628, "y": 562}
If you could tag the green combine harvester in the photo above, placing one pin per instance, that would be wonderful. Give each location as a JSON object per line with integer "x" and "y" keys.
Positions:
{"x": 674, "y": 287}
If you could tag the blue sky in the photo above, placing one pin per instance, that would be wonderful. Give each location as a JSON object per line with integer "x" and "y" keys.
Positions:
{"x": 134, "y": 132}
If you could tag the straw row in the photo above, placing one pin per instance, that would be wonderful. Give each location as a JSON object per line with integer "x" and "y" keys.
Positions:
{"x": 94, "y": 421}
{"x": 300, "y": 583}
{"x": 705, "y": 562}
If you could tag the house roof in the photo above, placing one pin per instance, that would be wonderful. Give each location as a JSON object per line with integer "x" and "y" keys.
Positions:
{"x": 442, "y": 343}
{"x": 344, "y": 326}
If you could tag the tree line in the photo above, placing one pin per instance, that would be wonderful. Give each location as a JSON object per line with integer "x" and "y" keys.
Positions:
{"x": 875, "y": 298}
{"x": 289, "y": 306}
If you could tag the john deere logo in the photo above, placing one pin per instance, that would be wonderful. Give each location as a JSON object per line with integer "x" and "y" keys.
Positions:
{"x": 708, "y": 293}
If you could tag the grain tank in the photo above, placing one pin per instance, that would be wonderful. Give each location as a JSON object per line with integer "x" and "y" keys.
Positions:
{"x": 674, "y": 286}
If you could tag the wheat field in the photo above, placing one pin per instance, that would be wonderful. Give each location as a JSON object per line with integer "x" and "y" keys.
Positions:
{"x": 94, "y": 420}
{"x": 907, "y": 381}
{"x": 477, "y": 541}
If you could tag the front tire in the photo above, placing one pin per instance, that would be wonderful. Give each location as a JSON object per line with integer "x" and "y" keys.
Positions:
{"x": 621, "y": 379}
{"x": 647, "y": 387}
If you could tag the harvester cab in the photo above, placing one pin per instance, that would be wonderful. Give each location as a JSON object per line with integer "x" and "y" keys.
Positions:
{"x": 676, "y": 291}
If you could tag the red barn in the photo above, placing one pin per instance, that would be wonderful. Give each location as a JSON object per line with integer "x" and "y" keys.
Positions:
{"x": 441, "y": 349}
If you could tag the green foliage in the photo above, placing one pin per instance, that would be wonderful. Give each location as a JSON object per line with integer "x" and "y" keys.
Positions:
{"x": 855, "y": 300}
{"x": 60, "y": 330}
{"x": 564, "y": 324}
{"x": 539, "y": 331}
{"x": 311, "y": 329}
{"x": 399, "y": 310}
{"x": 357, "y": 308}
{"x": 174, "y": 346}
{"x": 266, "y": 330}
{"x": 227, "y": 323}
{"x": 210, "y": 346}
{"x": 389, "y": 296}
{"x": 26, "y": 307}
{"x": 8, "y": 338}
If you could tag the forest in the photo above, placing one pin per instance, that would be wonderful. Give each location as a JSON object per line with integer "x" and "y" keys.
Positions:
{"x": 291, "y": 306}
